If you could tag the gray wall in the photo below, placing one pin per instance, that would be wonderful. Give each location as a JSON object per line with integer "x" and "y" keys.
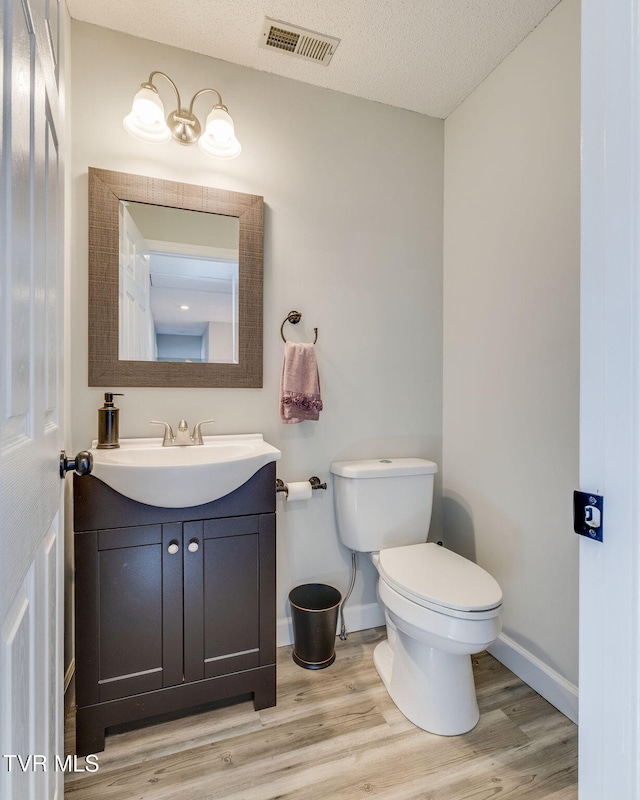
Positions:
{"x": 511, "y": 334}
{"x": 353, "y": 239}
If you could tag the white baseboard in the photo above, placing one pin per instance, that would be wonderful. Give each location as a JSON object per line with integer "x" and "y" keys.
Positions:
{"x": 539, "y": 676}
{"x": 356, "y": 618}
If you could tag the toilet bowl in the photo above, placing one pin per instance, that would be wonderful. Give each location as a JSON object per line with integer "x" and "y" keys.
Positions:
{"x": 425, "y": 661}
{"x": 439, "y": 607}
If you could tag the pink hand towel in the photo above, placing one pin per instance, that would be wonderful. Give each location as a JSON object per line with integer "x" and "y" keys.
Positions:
{"x": 300, "y": 383}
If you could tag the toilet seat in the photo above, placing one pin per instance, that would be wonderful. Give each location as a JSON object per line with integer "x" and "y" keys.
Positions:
{"x": 441, "y": 580}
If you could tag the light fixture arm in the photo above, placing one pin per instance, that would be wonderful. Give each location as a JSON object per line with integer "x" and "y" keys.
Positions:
{"x": 151, "y": 85}
{"x": 219, "y": 104}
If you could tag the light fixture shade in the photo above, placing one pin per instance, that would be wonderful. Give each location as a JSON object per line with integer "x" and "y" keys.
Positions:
{"x": 146, "y": 120}
{"x": 219, "y": 139}
{"x": 219, "y": 125}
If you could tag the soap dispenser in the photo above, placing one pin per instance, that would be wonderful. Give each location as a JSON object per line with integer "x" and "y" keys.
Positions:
{"x": 108, "y": 435}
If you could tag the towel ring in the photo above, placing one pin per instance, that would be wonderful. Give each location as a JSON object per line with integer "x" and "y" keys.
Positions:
{"x": 294, "y": 318}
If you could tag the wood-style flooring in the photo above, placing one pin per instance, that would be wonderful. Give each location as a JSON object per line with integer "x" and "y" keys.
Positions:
{"x": 336, "y": 735}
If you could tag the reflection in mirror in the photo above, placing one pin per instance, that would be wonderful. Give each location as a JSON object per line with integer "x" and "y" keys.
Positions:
{"x": 178, "y": 285}
{"x": 221, "y": 346}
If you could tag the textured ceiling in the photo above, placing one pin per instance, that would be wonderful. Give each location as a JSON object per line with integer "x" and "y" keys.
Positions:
{"x": 422, "y": 55}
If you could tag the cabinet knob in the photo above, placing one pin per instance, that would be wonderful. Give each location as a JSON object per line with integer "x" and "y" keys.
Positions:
{"x": 173, "y": 548}
{"x": 193, "y": 546}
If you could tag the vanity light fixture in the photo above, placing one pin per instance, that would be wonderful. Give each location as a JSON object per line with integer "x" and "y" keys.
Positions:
{"x": 147, "y": 121}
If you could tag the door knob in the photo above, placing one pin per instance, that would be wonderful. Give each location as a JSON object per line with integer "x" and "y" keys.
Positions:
{"x": 173, "y": 548}
{"x": 193, "y": 546}
{"x": 82, "y": 464}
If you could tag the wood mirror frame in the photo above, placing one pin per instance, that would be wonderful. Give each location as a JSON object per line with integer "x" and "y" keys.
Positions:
{"x": 106, "y": 190}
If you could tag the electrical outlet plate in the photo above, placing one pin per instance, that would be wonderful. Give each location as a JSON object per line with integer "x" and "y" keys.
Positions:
{"x": 588, "y": 515}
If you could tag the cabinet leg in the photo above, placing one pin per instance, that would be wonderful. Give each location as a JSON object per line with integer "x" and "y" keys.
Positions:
{"x": 264, "y": 695}
{"x": 89, "y": 733}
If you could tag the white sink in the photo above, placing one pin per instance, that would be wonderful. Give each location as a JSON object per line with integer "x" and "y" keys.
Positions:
{"x": 178, "y": 477}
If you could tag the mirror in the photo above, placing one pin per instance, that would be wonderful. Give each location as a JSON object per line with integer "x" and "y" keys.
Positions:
{"x": 156, "y": 246}
{"x": 178, "y": 285}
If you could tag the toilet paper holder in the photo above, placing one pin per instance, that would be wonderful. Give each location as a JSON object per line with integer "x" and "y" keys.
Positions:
{"x": 315, "y": 482}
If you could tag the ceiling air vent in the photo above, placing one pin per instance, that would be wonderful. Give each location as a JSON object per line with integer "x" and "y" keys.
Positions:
{"x": 297, "y": 42}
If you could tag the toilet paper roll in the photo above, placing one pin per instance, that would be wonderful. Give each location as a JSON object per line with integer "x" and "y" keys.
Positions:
{"x": 299, "y": 490}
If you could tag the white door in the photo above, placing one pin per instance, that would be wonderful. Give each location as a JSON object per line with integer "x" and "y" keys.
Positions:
{"x": 31, "y": 535}
{"x": 609, "y": 762}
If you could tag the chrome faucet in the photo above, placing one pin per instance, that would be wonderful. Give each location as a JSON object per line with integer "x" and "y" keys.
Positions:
{"x": 182, "y": 438}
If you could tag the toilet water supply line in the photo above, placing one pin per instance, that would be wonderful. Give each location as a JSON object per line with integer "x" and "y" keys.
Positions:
{"x": 343, "y": 627}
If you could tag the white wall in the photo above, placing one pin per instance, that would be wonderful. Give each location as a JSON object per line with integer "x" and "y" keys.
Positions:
{"x": 353, "y": 240}
{"x": 511, "y": 338}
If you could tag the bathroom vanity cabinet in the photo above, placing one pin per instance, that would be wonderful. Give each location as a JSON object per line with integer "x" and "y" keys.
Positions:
{"x": 175, "y": 608}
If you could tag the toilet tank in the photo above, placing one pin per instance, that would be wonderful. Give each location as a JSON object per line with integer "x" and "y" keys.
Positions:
{"x": 383, "y": 502}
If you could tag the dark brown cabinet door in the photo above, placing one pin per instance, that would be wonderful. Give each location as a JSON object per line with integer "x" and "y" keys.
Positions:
{"x": 127, "y": 608}
{"x": 225, "y": 581}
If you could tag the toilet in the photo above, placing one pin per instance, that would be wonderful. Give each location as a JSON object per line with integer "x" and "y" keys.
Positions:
{"x": 439, "y": 607}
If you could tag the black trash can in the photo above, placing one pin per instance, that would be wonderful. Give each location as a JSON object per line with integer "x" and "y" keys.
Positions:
{"x": 314, "y": 614}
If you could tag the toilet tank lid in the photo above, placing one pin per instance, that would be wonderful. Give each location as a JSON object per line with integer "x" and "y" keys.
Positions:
{"x": 383, "y": 467}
